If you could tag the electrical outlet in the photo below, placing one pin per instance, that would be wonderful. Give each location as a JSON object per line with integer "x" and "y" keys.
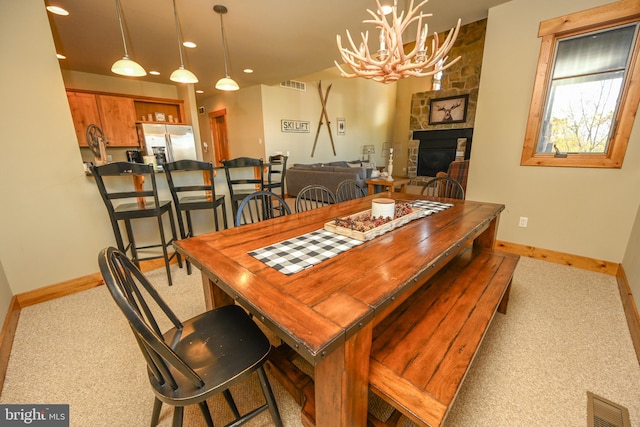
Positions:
{"x": 523, "y": 221}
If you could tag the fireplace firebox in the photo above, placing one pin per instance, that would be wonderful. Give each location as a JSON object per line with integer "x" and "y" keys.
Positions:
{"x": 438, "y": 148}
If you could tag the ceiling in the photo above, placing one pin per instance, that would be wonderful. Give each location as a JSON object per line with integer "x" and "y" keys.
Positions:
{"x": 279, "y": 40}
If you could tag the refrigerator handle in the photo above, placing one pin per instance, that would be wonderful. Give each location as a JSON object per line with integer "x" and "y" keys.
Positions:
{"x": 167, "y": 139}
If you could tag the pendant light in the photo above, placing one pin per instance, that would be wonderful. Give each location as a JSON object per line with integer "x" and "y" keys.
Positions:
{"x": 125, "y": 66}
{"x": 226, "y": 83}
{"x": 181, "y": 75}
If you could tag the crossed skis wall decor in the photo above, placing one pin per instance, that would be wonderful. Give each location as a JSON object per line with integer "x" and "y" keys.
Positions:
{"x": 325, "y": 115}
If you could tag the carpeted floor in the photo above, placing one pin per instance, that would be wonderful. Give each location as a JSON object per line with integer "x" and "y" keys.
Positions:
{"x": 564, "y": 334}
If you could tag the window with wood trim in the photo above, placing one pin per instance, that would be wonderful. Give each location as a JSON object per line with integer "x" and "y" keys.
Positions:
{"x": 585, "y": 94}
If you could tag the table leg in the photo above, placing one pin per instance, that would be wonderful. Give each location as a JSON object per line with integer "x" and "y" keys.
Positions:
{"x": 371, "y": 188}
{"x": 342, "y": 383}
{"x": 213, "y": 295}
{"x": 487, "y": 239}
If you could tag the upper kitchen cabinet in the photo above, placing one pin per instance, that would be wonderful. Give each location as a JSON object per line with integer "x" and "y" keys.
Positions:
{"x": 84, "y": 111}
{"x": 118, "y": 120}
{"x": 117, "y": 114}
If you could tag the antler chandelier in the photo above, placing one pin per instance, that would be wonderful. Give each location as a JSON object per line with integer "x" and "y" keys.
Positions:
{"x": 390, "y": 63}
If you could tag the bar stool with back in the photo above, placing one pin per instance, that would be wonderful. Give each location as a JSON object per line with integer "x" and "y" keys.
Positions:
{"x": 191, "y": 183}
{"x": 276, "y": 173}
{"x": 243, "y": 179}
{"x": 126, "y": 183}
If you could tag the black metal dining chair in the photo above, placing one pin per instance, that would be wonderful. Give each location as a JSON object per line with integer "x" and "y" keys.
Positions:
{"x": 195, "y": 359}
{"x": 260, "y": 206}
{"x": 313, "y": 197}
{"x": 350, "y": 189}
{"x": 443, "y": 187}
{"x": 130, "y": 192}
{"x": 245, "y": 175}
{"x": 276, "y": 174}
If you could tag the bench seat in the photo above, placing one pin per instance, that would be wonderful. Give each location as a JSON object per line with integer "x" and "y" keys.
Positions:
{"x": 421, "y": 352}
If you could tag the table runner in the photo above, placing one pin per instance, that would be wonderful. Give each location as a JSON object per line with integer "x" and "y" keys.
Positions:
{"x": 298, "y": 253}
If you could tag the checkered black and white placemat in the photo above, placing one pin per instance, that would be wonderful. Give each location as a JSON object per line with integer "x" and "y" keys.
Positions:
{"x": 298, "y": 253}
{"x": 295, "y": 254}
{"x": 430, "y": 206}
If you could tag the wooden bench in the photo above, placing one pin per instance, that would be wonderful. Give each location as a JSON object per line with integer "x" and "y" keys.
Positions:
{"x": 421, "y": 352}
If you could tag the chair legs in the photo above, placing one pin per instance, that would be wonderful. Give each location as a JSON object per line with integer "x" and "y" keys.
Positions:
{"x": 163, "y": 243}
{"x": 178, "y": 411}
{"x": 155, "y": 415}
{"x": 205, "y": 413}
{"x": 268, "y": 395}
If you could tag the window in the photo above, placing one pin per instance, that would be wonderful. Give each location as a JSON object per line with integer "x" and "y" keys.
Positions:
{"x": 584, "y": 100}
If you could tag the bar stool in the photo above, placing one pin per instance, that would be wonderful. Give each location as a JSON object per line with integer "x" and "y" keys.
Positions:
{"x": 276, "y": 173}
{"x": 245, "y": 176}
{"x": 192, "y": 188}
{"x": 137, "y": 202}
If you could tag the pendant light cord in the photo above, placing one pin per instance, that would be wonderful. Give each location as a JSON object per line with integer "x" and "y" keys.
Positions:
{"x": 124, "y": 42}
{"x": 175, "y": 14}
{"x": 224, "y": 45}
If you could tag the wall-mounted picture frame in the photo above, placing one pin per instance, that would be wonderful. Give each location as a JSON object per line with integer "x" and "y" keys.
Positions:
{"x": 342, "y": 126}
{"x": 452, "y": 109}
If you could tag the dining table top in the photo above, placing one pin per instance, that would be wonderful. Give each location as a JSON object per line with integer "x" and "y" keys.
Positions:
{"x": 317, "y": 309}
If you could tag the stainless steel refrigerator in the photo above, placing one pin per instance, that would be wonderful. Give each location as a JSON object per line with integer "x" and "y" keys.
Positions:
{"x": 167, "y": 143}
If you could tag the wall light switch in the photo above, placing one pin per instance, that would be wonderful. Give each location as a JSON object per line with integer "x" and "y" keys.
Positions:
{"x": 523, "y": 221}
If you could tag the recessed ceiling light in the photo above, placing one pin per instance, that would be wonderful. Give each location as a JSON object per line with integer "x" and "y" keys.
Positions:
{"x": 155, "y": 73}
{"x": 57, "y": 10}
{"x": 248, "y": 70}
{"x": 199, "y": 91}
{"x": 60, "y": 56}
{"x": 386, "y": 9}
{"x": 189, "y": 44}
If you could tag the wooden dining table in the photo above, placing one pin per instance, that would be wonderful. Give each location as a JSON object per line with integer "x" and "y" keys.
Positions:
{"x": 326, "y": 313}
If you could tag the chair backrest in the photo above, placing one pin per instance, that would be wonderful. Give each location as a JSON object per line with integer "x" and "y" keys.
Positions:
{"x": 277, "y": 172}
{"x": 141, "y": 304}
{"x": 458, "y": 170}
{"x": 184, "y": 180}
{"x": 131, "y": 189}
{"x": 260, "y": 206}
{"x": 443, "y": 187}
{"x": 314, "y": 196}
{"x": 350, "y": 189}
{"x": 241, "y": 173}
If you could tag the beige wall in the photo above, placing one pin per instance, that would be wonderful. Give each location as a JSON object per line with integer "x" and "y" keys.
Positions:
{"x": 244, "y": 121}
{"x": 254, "y": 117}
{"x": 582, "y": 211}
{"x": 52, "y": 221}
{"x": 366, "y": 106}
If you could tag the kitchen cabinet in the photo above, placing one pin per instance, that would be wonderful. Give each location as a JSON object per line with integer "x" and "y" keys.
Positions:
{"x": 118, "y": 120}
{"x": 84, "y": 111}
{"x": 117, "y": 115}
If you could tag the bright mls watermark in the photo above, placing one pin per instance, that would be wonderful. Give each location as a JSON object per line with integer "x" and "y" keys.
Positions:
{"x": 34, "y": 415}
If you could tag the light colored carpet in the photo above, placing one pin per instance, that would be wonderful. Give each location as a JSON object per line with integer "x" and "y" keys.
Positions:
{"x": 564, "y": 334}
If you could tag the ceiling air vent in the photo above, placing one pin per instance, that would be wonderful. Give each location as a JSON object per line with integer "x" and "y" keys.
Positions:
{"x": 604, "y": 413}
{"x": 292, "y": 84}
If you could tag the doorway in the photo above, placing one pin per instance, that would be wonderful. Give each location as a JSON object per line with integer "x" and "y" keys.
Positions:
{"x": 220, "y": 152}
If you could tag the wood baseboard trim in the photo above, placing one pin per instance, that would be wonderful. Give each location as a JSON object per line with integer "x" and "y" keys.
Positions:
{"x": 630, "y": 310}
{"x": 585, "y": 263}
{"x": 6, "y": 337}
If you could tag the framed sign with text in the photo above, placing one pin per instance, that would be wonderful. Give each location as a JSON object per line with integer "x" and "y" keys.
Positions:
{"x": 295, "y": 126}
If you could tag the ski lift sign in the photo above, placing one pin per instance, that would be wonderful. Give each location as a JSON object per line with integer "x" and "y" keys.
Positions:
{"x": 294, "y": 126}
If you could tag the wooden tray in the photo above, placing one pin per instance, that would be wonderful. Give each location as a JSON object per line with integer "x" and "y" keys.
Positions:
{"x": 377, "y": 231}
